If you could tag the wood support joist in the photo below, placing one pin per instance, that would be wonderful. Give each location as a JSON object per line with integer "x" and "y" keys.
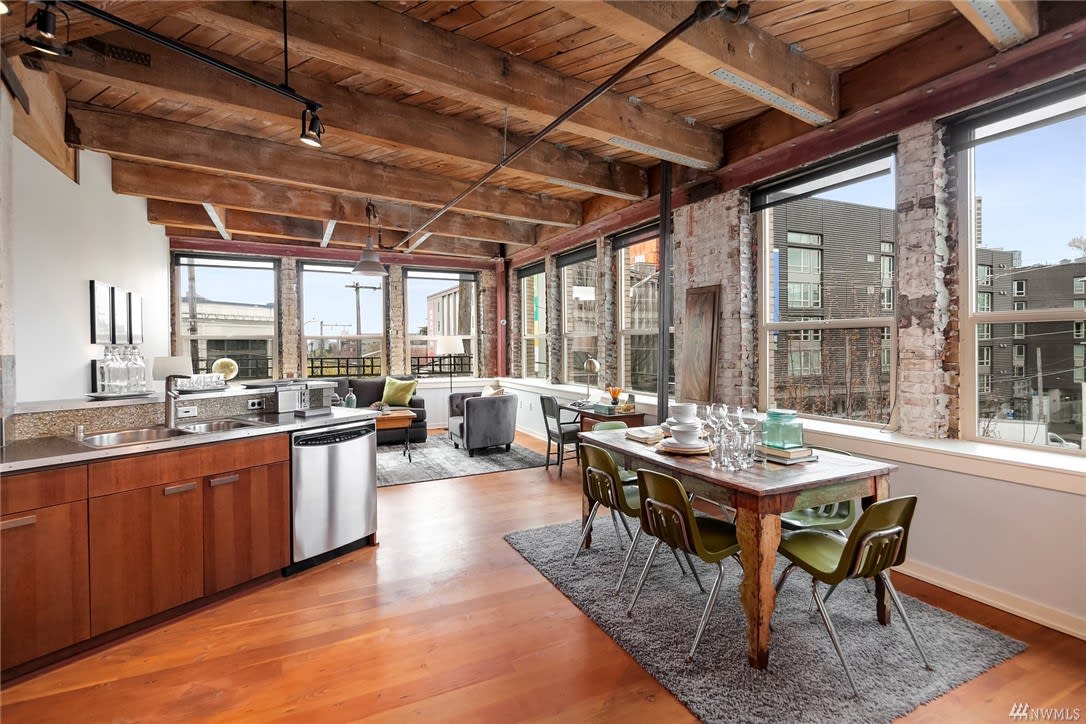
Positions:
{"x": 742, "y": 57}
{"x": 367, "y": 37}
{"x": 1003, "y": 23}
{"x": 137, "y": 137}
{"x": 345, "y": 113}
{"x": 179, "y": 184}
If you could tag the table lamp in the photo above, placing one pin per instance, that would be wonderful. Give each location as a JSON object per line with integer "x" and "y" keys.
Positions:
{"x": 591, "y": 366}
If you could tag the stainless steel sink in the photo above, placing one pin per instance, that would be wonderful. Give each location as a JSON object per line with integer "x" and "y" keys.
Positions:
{"x": 217, "y": 425}
{"x": 133, "y": 437}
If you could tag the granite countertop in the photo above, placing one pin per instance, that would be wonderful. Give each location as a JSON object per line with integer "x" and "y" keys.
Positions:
{"x": 42, "y": 452}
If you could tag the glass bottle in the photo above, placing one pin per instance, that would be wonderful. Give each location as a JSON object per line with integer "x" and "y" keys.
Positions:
{"x": 783, "y": 430}
{"x": 349, "y": 400}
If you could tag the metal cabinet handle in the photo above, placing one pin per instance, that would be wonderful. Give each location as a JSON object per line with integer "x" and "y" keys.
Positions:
{"x": 19, "y": 522}
{"x": 225, "y": 480}
{"x": 182, "y": 488}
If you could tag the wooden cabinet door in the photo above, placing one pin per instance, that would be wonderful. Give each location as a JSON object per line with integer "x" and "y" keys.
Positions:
{"x": 44, "y": 605}
{"x": 146, "y": 552}
{"x": 246, "y": 525}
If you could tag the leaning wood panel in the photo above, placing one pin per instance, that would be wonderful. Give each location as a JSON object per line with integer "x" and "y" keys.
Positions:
{"x": 42, "y": 488}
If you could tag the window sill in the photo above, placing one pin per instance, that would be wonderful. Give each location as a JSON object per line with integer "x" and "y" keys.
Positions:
{"x": 1064, "y": 472}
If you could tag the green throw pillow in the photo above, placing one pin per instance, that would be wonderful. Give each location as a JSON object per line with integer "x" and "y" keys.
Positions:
{"x": 398, "y": 392}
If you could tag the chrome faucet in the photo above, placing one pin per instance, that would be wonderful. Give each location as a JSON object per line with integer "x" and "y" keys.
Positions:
{"x": 172, "y": 396}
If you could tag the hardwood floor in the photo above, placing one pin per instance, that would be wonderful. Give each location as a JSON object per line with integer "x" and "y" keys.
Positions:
{"x": 443, "y": 621}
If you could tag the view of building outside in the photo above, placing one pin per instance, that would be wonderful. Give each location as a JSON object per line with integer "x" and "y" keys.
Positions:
{"x": 639, "y": 274}
{"x": 579, "y": 331}
{"x": 533, "y": 296}
{"x": 226, "y": 308}
{"x": 343, "y": 321}
{"x": 440, "y": 304}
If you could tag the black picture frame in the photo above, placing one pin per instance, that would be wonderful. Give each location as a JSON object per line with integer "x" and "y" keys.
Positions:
{"x": 101, "y": 315}
{"x": 135, "y": 318}
{"x": 119, "y": 300}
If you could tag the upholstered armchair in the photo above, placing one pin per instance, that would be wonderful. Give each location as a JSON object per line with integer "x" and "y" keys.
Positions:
{"x": 477, "y": 422}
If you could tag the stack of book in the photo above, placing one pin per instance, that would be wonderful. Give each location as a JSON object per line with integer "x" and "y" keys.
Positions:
{"x": 649, "y": 435}
{"x": 786, "y": 457}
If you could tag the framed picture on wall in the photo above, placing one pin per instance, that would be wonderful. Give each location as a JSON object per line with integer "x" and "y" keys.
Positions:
{"x": 698, "y": 361}
{"x": 135, "y": 318}
{"x": 120, "y": 316}
{"x": 101, "y": 318}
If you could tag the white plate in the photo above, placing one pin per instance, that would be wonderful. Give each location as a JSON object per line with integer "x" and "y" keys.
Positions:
{"x": 673, "y": 443}
{"x": 673, "y": 421}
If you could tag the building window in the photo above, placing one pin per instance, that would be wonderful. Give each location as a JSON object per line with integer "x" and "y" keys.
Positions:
{"x": 226, "y": 308}
{"x": 343, "y": 322}
{"x": 1079, "y": 361}
{"x": 639, "y": 313}
{"x": 533, "y": 322}
{"x": 1079, "y": 304}
{"x": 440, "y": 304}
{"x": 578, "y": 271}
{"x": 827, "y": 237}
{"x": 996, "y": 147}
{"x": 1079, "y": 331}
{"x": 1080, "y": 285}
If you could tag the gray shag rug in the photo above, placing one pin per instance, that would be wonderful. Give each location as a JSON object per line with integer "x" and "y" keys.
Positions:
{"x": 805, "y": 681}
{"x": 437, "y": 458}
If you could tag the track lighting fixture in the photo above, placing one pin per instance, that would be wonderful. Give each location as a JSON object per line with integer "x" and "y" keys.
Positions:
{"x": 312, "y": 128}
{"x": 4, "y": 9}
{"x": 44, "y": 22}
{"x": 369, "y": 263}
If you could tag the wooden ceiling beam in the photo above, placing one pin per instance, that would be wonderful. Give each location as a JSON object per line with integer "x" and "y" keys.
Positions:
{"x": 741, "y": 57}
{"x": 369, "y": 38}
{"x": 138, "y": 137}
{"x": 346, "y": 114}
{"x": 133, "y": 178}
{"x": 1003, "y": 23}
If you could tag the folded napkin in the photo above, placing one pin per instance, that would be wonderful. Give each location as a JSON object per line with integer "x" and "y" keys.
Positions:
{"x": 648, "y": 435}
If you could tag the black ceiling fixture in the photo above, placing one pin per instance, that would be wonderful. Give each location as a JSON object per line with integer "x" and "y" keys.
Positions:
{"x": 44, "y": 22}
{"x": 312, "y": 128}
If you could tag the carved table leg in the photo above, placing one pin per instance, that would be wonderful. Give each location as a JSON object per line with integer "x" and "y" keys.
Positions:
{"x": 759, "y": 534}
{"x": 882, "y": 596}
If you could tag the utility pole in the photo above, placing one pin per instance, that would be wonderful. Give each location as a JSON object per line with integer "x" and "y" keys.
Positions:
{"x": 357, "y": 287}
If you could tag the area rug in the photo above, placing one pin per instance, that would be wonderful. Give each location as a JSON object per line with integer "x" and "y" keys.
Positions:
{"x": 437, "y": 458}
{"x": 805, "y": 681}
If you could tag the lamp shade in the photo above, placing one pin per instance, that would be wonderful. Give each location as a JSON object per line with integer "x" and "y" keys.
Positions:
{"x": 591, "y": 365}
{"x": 369, "y": 264}
{"x": 163, "y": 367}
{"x": 449, "y": 345}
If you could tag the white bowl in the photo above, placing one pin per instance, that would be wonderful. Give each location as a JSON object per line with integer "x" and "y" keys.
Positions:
{"x": 684, "y": 411}
{"x": 686, "y": 433}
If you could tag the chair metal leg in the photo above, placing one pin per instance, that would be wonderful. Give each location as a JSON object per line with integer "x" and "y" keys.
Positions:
{"x": 678, "y": 561}
{"x": 900, "y": 609}
{"x": 628, "y": 560}
{"x": 784, "y": 577}
{"x": 584, "y": 531}
{"x": 614, "y": 522}
{"x": 561, "y": 456}
{"x": 833, "y": 635}
{"x": 694, "y": 571}
{"x": 625, "y": 525}
{"x": 644, "y": 575}
{"x": 708, "y": 609}
{"x": 829, "y": 592}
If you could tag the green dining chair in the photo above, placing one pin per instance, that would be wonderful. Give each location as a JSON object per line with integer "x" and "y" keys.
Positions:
{"x": 668, "y": 516}
{"x": 876, "y": 544}
{"x": 834, "y": 517}
{"x": 628, "y": 477}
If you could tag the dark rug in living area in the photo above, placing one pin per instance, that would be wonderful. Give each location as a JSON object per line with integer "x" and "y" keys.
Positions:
{"x": 805, "y": 681}
{"x": 437, "y": 458}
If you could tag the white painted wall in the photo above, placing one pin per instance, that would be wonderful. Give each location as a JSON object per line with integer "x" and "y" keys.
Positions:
{"x": 66, "y": 234}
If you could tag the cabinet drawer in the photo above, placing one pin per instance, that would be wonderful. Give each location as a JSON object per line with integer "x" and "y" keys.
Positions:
{"x": 42, "y": 488}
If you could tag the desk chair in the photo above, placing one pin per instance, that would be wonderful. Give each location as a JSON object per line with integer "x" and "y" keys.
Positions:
{"x": 628, "y": 477}
{"x": 560, "y": 432}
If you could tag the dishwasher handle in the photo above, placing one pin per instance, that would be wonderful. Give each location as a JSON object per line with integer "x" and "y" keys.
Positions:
{"x": 332, "y": 437}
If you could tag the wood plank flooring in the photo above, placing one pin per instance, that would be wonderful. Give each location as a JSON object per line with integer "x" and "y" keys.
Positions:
{"x": 444, "y": 622}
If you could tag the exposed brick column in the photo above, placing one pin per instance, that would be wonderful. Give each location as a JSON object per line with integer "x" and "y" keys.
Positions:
{"x": 487, "y": 339}
{"x": 554, "y": 321}
{"x": 607, "y": 339}
{"x": 291, "y": 342}
{"x": 927, "y": 369}
{"x": 516, "y": 327}
{"x": 395, "y": 323}
{"x": 714, "y": 247}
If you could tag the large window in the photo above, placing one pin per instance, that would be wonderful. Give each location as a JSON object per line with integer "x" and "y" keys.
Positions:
{"x": 226, "y": 308}
{"x": 828, "y": 237}
{"x": 1029, "y": 154}
{"x": 533, "y": 321}
{"x": 343, "y": 322}
{"x": 579, "y": 329}
{"x": 440, "y": 304}
{"x": 638, "y": 255}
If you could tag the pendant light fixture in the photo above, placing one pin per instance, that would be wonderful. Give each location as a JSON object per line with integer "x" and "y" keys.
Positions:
{"x": 312, "y": 128}
{"x": 369, "y": 263}
{"x": 44, "y": 21}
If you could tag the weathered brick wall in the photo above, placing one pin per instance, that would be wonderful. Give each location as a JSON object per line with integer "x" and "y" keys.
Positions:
{"x": 927, "y": 370}
{"x": 714, "y": 246}
{"x": 952, "y": 278}
{"x": 291, "y": 356}
{"x": 395, "y": 323}
{"x": 487, "y": 337}
{"x": 516, "y": 326}
{"x": 554, "y": 321}
{"x": 606, "y": 314}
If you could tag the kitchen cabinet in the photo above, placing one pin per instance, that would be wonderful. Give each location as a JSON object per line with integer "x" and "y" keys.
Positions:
{"x": 246, "y": 525}
{"x": 146, "y": 552}
{"x": 44, "y": 603}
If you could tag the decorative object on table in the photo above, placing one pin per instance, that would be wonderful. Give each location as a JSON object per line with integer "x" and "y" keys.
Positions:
{"x": 604, "y": 408}
{"x": 101, "y": 318}
{"x": 350, "y": 400}
{"x": 226, "y": 367}
{"x": 379, "y": 406}
{"x": 614, "y": 392}
{"x": 135, "y": 318}
{"x": 119, "y": 305}
{"x": 591, "y": 366}
{"x": 697, "y": 366}
{"x": 782, "y": 430}
{"x": 792, "y": 454}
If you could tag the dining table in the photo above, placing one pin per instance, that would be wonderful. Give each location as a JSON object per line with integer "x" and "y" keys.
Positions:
{"x": 758, "y": 496}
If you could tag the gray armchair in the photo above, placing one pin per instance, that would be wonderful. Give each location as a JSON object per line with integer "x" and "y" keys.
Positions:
{"x": 481, "y": 422}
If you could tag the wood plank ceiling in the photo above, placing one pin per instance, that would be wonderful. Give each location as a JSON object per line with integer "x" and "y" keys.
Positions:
{"x": 421, "y": 98}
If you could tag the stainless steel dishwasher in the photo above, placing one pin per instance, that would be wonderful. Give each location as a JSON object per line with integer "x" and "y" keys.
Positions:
{"x": 333, "y": 490}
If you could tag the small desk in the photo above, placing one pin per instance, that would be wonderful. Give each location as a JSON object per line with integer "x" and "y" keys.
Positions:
{"x": 590, "y": 417}
{"x": 398, "y": 420}
{"x": 760, "y": 495}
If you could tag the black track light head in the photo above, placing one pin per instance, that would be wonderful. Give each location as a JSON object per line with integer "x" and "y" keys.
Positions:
{"x": 59, "y": 50}
{"x": 312, "y": 128}
{"x": 45, "y": 22}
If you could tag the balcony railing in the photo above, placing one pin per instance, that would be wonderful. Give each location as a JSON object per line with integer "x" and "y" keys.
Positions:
{"x": 249, "y": 368}
{"x": 344, "y": 367}
{"x": 450, "y": 365}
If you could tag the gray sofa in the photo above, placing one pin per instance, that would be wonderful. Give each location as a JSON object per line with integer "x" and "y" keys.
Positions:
{"x": 480, "y": 422}
{"x": 369, "y": 390}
